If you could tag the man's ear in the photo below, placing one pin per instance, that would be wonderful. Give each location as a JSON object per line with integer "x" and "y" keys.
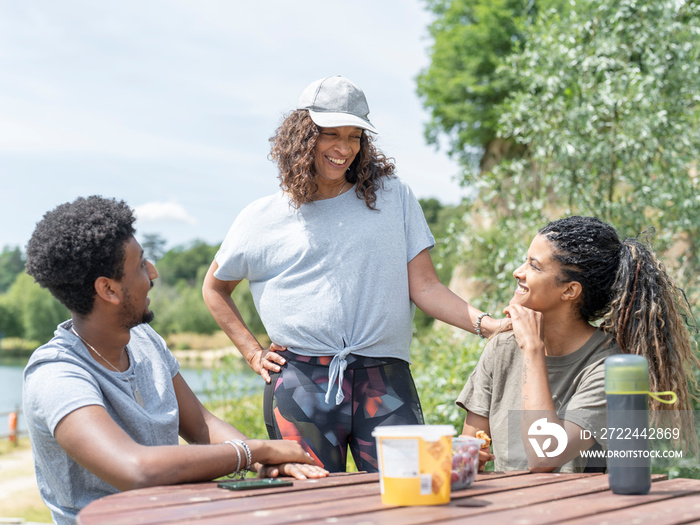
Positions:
{"x": 572, "y": 291}
{"x": 106, "y": 290}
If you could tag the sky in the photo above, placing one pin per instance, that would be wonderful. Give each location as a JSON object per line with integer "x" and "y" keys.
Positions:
{"x": 169, "y": 105}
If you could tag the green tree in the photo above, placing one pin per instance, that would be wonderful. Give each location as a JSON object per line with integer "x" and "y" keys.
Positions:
{"x": 153, "y": 246}
{"x": 441, "y": 362}
{"x": 461, "y": 87}
{"x": 600, "y": 102}
{"x": 440, "y": 219}
{"x": 11, "y": 265}
{"x": 180, "y": 307}
{"x": 607, "y": 109}
{"x": 38, "y": 311}
{"x": 185, "y": 262}
{"x": 10, "y": 321}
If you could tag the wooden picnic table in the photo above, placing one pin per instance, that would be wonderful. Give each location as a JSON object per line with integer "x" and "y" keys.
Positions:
{"x": 496, "y": 497}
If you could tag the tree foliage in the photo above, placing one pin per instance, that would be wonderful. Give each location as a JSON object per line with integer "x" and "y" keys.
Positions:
{"x": 180, "y": 308}
{"x": 30, "y": 312}
{"x": 11, "y": 265}
{"x": 177, "y": 296}
{"x": 607, "y": 107}
{"x": 602, "y": 100}
{"x": 462, "y": 86}
{"x": 440, "y": 219}
{"x": 183, "y": 263}
{"x": 597, "y": 114}
{"x": 35, "y": 308}
{"x": 10, "y": 321}
{"x": 153, "y": 247}
{"x": 441, "y": 362}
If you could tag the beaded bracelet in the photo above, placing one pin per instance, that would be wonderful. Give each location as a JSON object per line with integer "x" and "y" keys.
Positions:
{"x": 478, "y": 324}
{"x": 238, "y": 453}
{"x": 249, "y": 457}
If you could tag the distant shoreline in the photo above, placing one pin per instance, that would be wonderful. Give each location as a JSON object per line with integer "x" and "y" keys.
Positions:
{"x": 189, "y": 358}
{"x": 205, "y": 358}
{"x": 16, "y": 353}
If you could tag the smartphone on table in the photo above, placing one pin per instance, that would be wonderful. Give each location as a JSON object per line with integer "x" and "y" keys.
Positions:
{"x": 249, "y": 484}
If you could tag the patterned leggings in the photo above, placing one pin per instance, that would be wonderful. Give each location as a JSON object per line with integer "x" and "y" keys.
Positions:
{"x": 377, "y": 392}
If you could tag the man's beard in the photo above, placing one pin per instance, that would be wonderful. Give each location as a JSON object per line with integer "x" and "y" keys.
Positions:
{"x": 130, "y": 317}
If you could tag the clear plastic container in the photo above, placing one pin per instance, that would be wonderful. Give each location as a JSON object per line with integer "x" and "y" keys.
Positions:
{"x": 465, "y": 461}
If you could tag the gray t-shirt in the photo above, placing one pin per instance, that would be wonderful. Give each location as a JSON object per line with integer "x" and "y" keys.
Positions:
{"x": 62, "y": 376}
{"x": 576, "y": 380}
{"x": 331, "y": 278}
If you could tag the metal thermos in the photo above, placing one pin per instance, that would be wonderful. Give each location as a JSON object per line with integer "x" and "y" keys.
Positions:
{"x": 627, "y": 393}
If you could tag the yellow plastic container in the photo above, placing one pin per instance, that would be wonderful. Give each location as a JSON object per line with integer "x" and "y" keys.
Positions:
{"x": 415, "y": 463}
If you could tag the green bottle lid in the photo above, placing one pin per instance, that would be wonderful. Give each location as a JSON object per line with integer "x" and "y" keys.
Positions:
{"x": 626, "y": 374}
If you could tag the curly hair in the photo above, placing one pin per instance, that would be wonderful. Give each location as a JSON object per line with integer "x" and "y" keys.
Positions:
{"x": 292, "y": 149}
{"x": 624, "y": 283}
{"x": 588, "y": 251}
{"x": 76, "y": 243}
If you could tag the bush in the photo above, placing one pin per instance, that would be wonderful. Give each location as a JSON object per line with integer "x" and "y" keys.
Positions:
{"x": 36, "y": 309}
{"x": 238, "y": 402}
{"x": 10, "y": 319}
{"x": 181, "y": 308}
{"x": 442, "y": 360}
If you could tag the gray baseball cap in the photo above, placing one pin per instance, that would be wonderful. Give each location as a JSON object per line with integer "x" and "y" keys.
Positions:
{"x": 335, "y": 101}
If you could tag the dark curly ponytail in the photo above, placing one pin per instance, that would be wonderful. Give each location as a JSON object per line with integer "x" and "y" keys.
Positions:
{"x": 624, "y": 283}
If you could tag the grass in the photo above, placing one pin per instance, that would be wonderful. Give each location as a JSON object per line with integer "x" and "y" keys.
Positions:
{"x": 7, "y": 447}
{"x": 29, "y": 507}
{"x": 26, "y": 503}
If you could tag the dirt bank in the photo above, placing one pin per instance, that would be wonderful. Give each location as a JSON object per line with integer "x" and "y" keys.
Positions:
{"x": 19, "y": 494}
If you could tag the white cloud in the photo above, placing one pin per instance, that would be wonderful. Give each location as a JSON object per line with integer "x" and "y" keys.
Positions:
{"x": 163, "y": 212}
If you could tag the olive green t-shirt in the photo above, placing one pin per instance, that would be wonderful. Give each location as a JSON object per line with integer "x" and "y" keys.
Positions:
{"x": 576, "y": 380}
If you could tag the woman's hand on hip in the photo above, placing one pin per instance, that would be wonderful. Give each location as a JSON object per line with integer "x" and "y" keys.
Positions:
{"x": 265, "y": 361}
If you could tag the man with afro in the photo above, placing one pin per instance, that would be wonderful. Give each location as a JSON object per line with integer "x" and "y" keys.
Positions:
{"x": 104, "y": 399}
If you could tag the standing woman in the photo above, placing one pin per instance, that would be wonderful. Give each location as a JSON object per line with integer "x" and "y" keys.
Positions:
{"x": 551, "y": 365}
{"x": 335, "y": 262}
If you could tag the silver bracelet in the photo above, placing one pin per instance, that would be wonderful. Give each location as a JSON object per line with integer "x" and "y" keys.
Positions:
{"x": 249, "y": 456}
{"x": 238, "y": 453}
{"x": 478, "y": 324}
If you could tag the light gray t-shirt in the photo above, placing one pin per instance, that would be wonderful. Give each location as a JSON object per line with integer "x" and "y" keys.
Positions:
{"x": 62, "y": 376}
{"x": 576, "y": 380}
{"x": 331, "y": 278}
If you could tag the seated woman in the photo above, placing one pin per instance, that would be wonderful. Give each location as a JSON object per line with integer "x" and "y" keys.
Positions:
{"x": 551, "y": 365}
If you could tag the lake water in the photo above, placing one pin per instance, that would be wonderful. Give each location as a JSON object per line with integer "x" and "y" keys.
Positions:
{"x": 11, "y": 370}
